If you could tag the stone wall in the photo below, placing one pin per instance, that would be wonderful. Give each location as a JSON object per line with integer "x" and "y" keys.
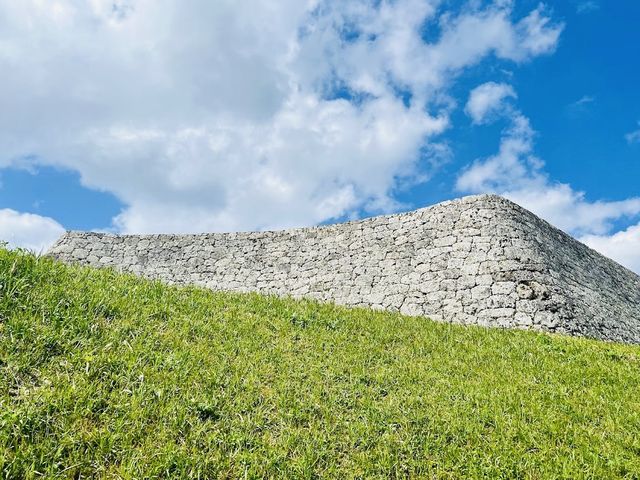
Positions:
{"x": 478, "y": 260}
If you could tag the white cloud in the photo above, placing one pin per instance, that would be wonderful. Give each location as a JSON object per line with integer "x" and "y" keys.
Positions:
{"x": 519, "y": 175}
{"x": 581, "y": 106}
{"x": 536, "y": 33}
{"x": 623, "y": 246}
{"x": 584, "y": 100}
{"x": 513, "y": 165}
{"x": 570, "y": 210}
{"x": 487, "y": 99}
{"x": 633, "y": 137}
{"x": 222, "y": 115}
{"x": 27, "y": 230}
{"x": 588, "y": 6}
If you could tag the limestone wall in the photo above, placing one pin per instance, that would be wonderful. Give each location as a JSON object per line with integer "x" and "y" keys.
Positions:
{"x": 477, "y": 260}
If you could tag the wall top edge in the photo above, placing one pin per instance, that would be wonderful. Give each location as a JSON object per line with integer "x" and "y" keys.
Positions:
{"x": 470, "y": 199}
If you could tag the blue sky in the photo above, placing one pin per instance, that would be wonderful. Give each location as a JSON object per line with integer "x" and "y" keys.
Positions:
{"x": 138, "y": 116}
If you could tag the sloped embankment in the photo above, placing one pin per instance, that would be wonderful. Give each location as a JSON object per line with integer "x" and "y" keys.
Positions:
{"x": 103, "y": 374}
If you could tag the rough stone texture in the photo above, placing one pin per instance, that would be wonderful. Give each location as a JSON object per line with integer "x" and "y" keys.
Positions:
{"x": 479, "y": 260}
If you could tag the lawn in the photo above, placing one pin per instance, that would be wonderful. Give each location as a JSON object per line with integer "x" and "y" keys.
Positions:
{"x": 107, "y": 375}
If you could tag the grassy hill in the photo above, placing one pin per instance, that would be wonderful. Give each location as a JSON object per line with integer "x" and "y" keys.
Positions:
{"x": 103, "y": 374}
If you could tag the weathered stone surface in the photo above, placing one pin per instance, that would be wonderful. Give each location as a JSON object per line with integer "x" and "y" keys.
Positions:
{"x": 477, "y": 260}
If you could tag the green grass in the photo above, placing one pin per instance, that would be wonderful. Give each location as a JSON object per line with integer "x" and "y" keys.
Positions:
{"x": 107, "y": 375}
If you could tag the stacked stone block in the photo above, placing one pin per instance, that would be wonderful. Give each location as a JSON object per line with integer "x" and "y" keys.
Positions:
{"x": 479, "y": 260}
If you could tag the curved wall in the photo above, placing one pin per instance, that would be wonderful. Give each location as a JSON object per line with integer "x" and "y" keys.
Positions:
{"x": 477, "y": 260}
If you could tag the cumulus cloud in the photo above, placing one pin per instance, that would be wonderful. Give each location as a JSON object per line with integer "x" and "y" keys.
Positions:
{"x": 487, "y": 99}
{"x": 515, "y": 172}
{"x": 27, "y": 230}
{"x": 241, "y": 115}
{"x": 518, "y": 174}
{"x": 622, "y": 246}
{"x": 513, "y": 166}
{"x": 633, "y": 137}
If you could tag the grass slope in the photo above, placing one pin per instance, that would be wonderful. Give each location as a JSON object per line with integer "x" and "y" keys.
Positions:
{"x": 108, "y": 375}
